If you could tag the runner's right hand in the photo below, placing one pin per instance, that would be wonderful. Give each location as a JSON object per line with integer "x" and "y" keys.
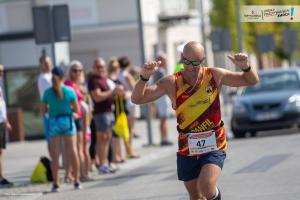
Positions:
{"x": 149, "y": 68}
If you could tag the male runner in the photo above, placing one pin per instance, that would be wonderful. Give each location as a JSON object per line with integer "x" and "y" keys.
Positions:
{"x": 194, "y": 93}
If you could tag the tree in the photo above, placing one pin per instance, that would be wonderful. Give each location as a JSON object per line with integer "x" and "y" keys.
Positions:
{"x": 223, "y": 16}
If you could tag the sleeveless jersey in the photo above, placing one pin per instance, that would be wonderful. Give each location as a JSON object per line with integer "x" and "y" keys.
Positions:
{"x": 198, "y": 110}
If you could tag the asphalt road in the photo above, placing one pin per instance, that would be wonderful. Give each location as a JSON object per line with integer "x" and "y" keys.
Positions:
{"x": 261, "y": 168}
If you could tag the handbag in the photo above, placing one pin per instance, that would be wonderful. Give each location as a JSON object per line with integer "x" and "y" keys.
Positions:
{"x": 121, "y": 124}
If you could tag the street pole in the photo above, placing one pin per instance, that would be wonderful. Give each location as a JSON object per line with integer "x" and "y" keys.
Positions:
{"x": 52, "y": 37}
{"x": 141, "y": 37}
{"x": 238, "y": 25}
{"x": 202, "y": 26}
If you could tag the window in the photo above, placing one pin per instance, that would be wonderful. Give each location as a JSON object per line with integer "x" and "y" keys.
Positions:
{"x": 22, "y": 92}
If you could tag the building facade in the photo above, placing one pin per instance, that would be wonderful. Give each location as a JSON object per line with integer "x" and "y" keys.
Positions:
{"x": 100, "y": 28}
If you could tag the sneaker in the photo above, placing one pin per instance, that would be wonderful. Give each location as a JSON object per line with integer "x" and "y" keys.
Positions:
{"x": 166, "y": 143}
{"x": 55, "y": 188}
{"x": 104, "y": 169}
{"x": 77, "y": 186}
{"x": 113, "y": 167}
{"x": 5, "y": 183}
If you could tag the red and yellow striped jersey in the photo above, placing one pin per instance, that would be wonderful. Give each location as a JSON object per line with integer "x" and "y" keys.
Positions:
{"x": 198, "y": 110}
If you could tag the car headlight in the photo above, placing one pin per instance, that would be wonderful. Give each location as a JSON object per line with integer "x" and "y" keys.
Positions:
{"x": 239, "y": 108}
{"x": 293, "y": 103}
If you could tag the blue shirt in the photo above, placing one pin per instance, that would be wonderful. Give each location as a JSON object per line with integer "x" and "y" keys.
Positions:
{"x": 56, "y": 105}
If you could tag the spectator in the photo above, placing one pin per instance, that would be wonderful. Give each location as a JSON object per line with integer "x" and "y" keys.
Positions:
{"x": 114, "y": 71}
{"x": 4, "y": 127}
{"x": 128, "y": 81}
{"x": 103, "y": 92}
{"x": 75, "y": 78}
{"x": 61, "y": 103}
{"x": 86, "y": 106}
{"x": 163, "y": 104}
{"x": 44, "y": 82}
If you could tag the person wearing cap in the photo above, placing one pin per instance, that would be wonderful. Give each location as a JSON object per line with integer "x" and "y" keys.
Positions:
{"x": 194, "y": 93}
{"x": 4, "y": 127}
{"x": 60, "y": 102}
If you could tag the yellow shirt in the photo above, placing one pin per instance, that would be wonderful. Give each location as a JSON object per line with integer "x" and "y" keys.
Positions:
{"x": 198, "y": 110}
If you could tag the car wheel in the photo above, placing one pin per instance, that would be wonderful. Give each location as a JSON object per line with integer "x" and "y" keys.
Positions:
{"x": 239, "y": 134}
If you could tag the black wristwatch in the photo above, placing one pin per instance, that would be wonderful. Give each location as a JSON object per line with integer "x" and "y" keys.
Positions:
{"x": 247, "y": 69}
{"x": 143, "y": 79}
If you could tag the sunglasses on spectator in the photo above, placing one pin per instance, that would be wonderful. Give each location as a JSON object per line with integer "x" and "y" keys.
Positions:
{"x": 195, "y": 63}
{"x": 77, "y": 70}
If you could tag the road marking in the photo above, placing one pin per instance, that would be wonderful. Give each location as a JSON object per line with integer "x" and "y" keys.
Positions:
{"x": 263, "y": 164}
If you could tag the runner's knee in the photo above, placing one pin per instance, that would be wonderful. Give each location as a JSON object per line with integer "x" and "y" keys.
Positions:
{"x": 207, "y": 190}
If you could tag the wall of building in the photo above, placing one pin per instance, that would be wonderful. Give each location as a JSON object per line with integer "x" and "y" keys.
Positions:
{"x": 106, "y": 42}
{"x": 99, "y": 28}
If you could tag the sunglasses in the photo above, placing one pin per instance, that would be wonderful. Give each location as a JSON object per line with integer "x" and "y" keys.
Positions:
{"x": 195, "y": 63}
{"x": 77, "y": 70}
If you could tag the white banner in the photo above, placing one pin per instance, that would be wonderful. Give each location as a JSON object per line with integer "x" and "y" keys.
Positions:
{"x": 255, "y": 13}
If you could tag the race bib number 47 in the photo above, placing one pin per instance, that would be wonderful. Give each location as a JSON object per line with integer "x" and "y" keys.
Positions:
{"x": 200, "y": 143}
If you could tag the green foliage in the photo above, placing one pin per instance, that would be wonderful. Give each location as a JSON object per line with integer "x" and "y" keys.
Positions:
{"x": 223, "y": 16}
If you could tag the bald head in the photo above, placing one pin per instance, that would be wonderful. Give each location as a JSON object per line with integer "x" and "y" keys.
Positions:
{"x": 99, "y": 61}
{"x": 100, "y": 67}
{"x": 194, "y": 50}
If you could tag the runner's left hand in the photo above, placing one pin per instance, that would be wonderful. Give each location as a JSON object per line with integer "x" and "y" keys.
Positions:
{"x": 239, "y": 59}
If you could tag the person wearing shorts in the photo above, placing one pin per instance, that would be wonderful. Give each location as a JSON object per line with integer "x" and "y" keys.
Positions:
{"x": 44, "y": 82}
{"x": 4, "y": 127}
{"x": 75, "y": 80}
{"x": 194, "y": 93}
{"x": 163, "y": 104}
{"x": 103, "y": 92}
{"x": 60, "y": 102}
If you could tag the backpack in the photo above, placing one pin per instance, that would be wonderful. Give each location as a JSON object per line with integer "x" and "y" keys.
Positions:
{"x": 47, "y": 164}
{"x": 42, "y": 172}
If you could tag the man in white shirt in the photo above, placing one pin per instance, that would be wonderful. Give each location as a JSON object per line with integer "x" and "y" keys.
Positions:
{"x": 45, "y": 82}
{"x": 4, "y": 127}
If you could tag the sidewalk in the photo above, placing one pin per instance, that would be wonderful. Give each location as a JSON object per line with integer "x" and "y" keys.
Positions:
{"x": 19, "y": 159}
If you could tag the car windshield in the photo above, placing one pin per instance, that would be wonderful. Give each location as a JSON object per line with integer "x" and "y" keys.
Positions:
{"x": 273, "y": 82}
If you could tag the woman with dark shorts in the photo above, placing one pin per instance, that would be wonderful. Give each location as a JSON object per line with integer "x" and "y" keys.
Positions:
{"x": 75, "y": 78}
